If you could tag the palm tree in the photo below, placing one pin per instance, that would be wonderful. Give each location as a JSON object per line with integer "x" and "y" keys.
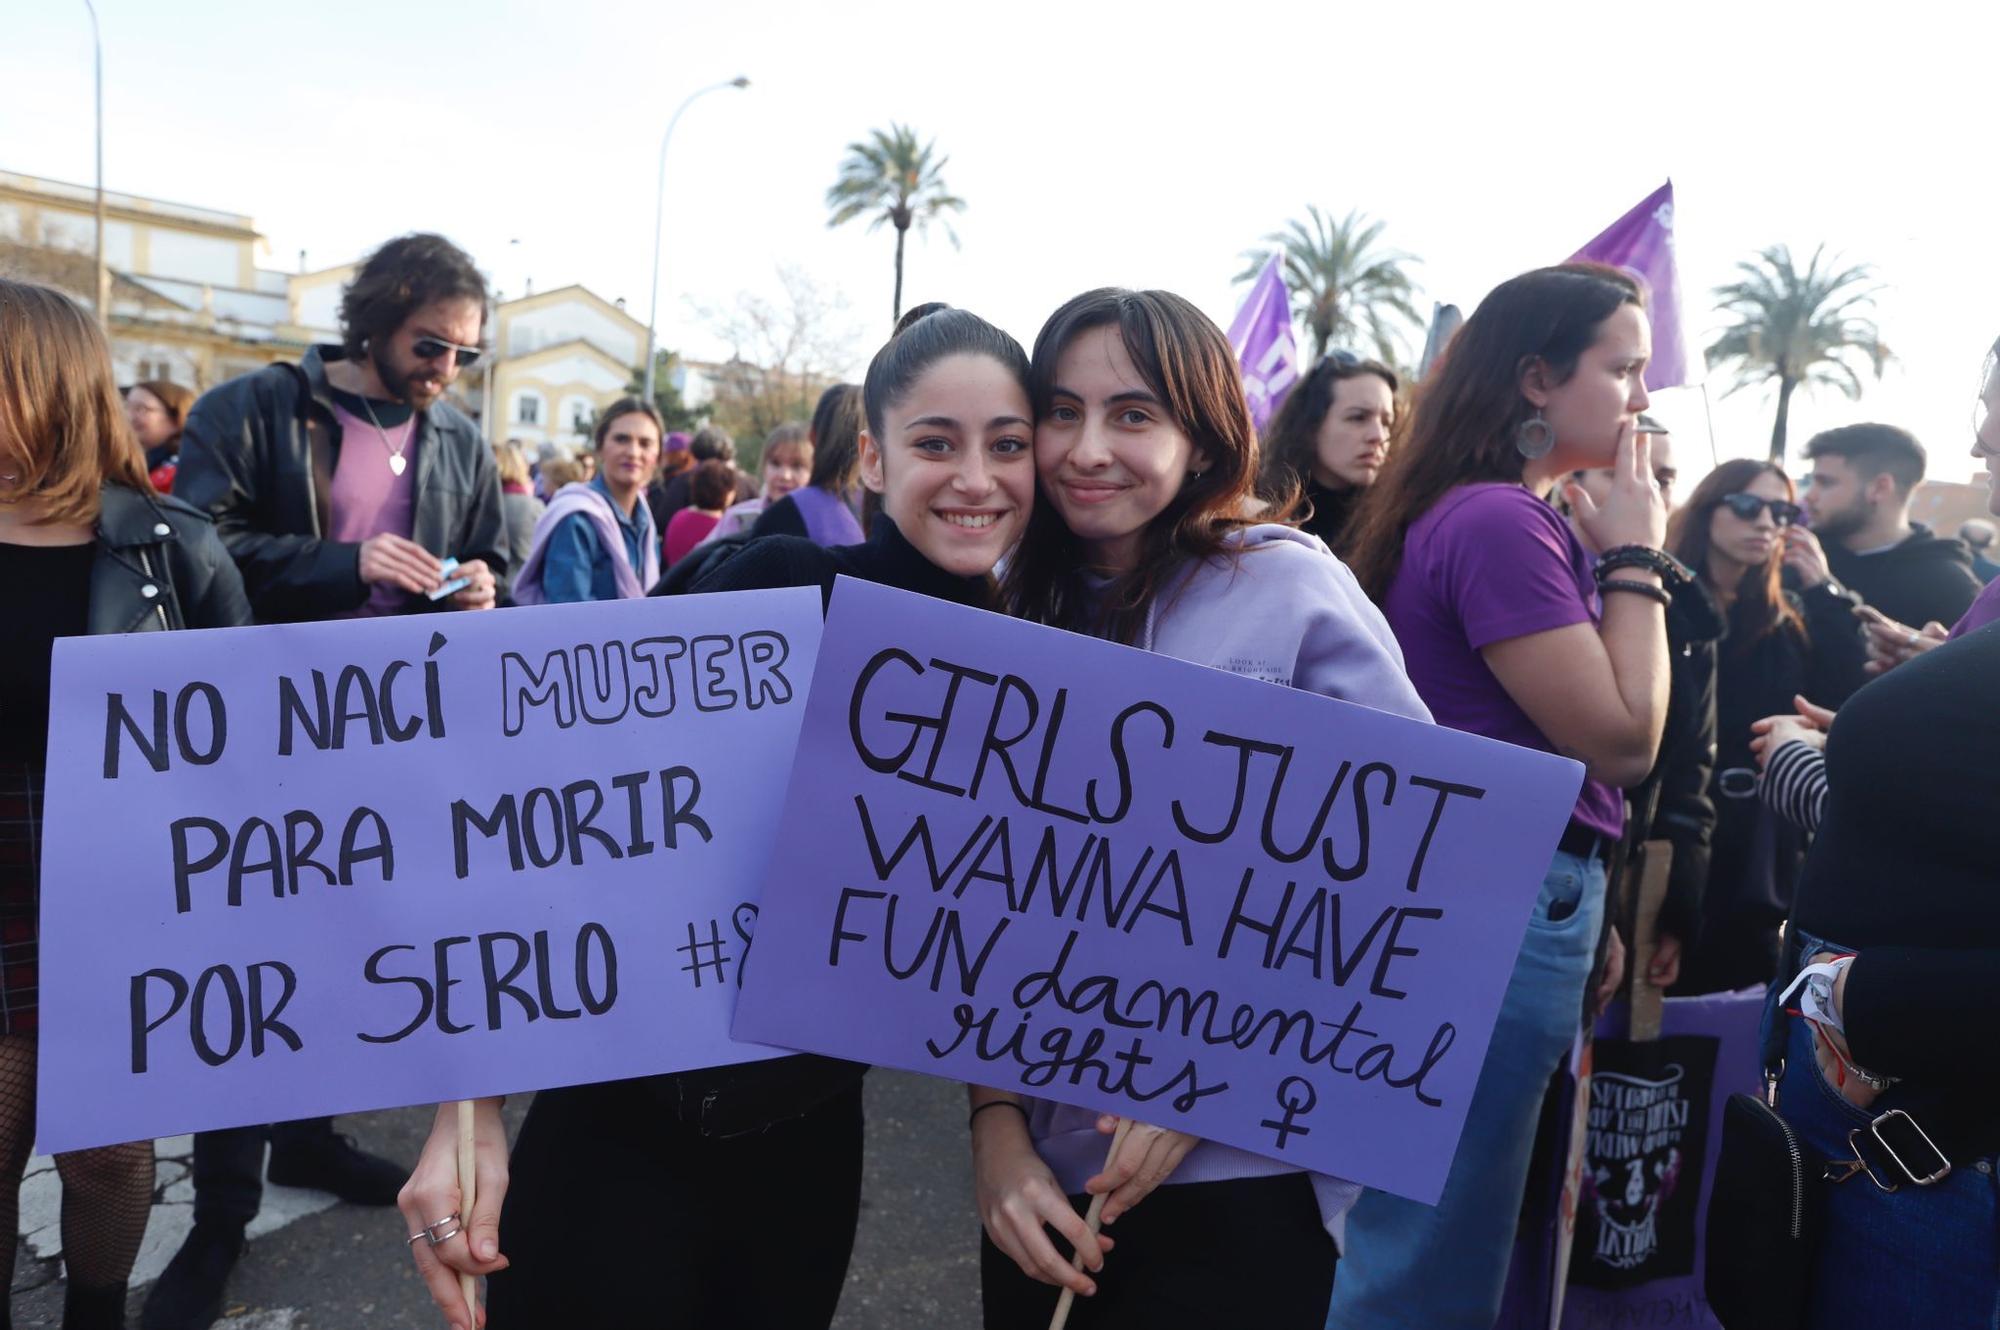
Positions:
{"x": 895, "y": 178}
{"x": 1342, "y": 286}
{"x": 1799, "y": 328}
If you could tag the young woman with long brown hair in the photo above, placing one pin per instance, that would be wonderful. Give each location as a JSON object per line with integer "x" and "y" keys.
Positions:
{"x": 86, "y": 546}
{"x": 1331, "y": 437}
{"x": 1739, "y": 532}
{"x": 1145, "y": 457}
{"x": 1511, "y": 631}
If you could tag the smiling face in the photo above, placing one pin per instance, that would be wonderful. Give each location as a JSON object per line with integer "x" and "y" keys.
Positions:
{"x": 628, "y": 454}
{"x": 1353, "y": 440}
{"x": 1109, "y": 455}
{"x": 1751, "y": 542}
{"x": 954, "y": 465}
{"x": 786, "y": 467}
{"x": 412, "y": 378}
{"x": 1607, "y": 389}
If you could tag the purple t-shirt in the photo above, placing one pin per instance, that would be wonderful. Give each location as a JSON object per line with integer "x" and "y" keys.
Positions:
{"x": 1487, "y": 563}
{"x": 368, "y": 498}
{"x": 1984, "y": 610}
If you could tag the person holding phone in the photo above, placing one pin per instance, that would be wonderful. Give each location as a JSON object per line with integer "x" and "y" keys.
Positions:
{"x": 340, "y": 485}
{"x": 1740, "y": 532}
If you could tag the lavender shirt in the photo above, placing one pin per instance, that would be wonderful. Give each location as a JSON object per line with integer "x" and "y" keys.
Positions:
{"x": 1487, "y": 563}
{"x": 368, "y": 499}
{"x": 1283, "y": 609}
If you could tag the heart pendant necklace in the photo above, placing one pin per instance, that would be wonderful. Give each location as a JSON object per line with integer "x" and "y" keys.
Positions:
{"x": 396, "y": 459}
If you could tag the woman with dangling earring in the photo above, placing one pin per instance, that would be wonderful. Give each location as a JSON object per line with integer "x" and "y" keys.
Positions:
{"x": 1510, "y": 630}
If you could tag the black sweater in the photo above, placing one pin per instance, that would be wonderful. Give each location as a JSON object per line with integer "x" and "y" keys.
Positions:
{"x": 1926, "y": 578}
{"x": 886, "y": 557}
{"x": 734, "y": 1099}
{"x": 1906, "y": 869}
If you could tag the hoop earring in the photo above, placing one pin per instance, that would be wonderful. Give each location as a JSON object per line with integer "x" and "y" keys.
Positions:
{"x": 1534, "y": 437}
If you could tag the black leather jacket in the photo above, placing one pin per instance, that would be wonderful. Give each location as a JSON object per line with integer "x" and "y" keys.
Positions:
{"x": 258, "y": 456}
{"x": 159, "y": 566}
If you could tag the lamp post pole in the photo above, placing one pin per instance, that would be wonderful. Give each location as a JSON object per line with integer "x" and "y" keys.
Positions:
{"x": 103, "y": 273}
{"x": 659, "y": 220}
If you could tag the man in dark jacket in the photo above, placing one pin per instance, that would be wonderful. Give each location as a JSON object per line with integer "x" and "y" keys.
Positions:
{"x": 339, "y": 486}
{"x": 341, "y": 483}
{"x": 1858, "y": 500}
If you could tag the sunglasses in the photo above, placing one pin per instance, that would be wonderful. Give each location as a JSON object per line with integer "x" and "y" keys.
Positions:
{"x": 1747, "y": 506}
{"x": 430, "y": 348}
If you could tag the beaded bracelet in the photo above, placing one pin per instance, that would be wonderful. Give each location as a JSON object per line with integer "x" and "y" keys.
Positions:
{"x": 1646, "y": 589}
{"x": 1014, "y": 1104}
{"x": 1671, "y": 570}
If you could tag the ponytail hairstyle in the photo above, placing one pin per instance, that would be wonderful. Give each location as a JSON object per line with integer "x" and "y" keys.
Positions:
{"x": 1467, "y": 412}
{"x": 1187, "y": 363}
{"x": 925, "y": 335}
{"x": 836, "y": 437}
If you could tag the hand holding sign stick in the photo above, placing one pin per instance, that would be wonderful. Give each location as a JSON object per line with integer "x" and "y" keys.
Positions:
{"x": 1094, "y": 1219}
{"x": 468, "y": 1193}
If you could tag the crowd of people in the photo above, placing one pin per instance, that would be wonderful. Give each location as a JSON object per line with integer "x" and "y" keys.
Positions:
{"x": 1792, "y": 689}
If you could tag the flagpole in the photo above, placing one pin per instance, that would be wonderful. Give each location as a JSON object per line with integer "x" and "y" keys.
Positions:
{"x": 1708, "y": 415}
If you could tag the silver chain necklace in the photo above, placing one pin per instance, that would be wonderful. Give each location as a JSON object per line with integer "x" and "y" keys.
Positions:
{"x": 396, "y": 459}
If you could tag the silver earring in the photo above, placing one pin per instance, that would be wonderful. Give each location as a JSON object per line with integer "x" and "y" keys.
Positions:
{"x": 1534, "y": 437}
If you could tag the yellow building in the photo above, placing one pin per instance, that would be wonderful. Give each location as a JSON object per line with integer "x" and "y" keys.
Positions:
{"x": 190, "y": 305}
{"x": 188, "y": 301}
{"x": 559, "y": 357}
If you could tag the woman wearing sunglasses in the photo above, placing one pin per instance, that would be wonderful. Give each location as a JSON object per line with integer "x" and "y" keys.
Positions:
{"x": 1741, "y": 533}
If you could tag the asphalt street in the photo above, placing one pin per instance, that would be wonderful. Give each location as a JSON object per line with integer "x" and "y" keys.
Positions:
{"x": 333, "y": 1266}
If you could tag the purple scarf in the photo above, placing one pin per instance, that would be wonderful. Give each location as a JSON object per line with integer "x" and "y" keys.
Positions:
{"x": 827, "y": 518}
{"x": 569, "y": 501}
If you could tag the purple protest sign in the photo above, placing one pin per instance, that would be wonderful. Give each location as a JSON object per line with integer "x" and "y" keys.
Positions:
{"x": 1039, "y": 861}
{"x": 319, "y": 868}
{"x": 1642, "y": 243}
{"x": 1265, "y": 345}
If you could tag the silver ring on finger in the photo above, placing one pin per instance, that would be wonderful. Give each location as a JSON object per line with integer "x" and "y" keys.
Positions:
{"x": 444, "y": 1230}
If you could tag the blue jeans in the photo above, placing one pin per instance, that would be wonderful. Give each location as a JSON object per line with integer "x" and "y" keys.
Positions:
{"x": 1407, "y": 1266}
{"x": 1918, "y": 1256}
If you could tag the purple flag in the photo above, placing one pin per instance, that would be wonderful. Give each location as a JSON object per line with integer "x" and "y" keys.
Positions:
{"x": 1262, "y": 337}
{"x": 1642, "y": 243}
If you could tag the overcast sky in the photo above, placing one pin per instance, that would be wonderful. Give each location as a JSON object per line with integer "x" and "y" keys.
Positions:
{"x": 1095, "y": 144}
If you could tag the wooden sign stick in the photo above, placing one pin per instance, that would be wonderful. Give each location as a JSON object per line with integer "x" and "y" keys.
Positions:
{"x": 468, "y": 1192}
{"x": 1093, "y": 1219}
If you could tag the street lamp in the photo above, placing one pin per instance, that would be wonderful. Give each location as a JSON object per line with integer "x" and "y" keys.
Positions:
{"x": 659, "y": 219}
{"x": 103, "y": 273}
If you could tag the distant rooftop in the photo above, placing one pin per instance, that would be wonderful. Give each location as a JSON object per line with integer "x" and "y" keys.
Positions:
{"x": 85, "y": 196}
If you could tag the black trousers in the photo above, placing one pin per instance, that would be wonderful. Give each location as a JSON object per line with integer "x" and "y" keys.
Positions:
{"x": 229, "y": 1166}
{"x": 1244, "y": 1252}
{"x": 618, "y": 1214}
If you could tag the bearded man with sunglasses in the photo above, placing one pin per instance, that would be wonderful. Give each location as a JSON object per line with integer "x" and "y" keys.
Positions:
{"x": 339, "y": 485}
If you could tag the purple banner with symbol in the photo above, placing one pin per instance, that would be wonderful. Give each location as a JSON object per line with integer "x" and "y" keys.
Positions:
{"x": 1265, "y": 345}
{"x": 321, "y": 868}
{"x": 1642, "y": 243}
{"x": 1039, "y": 861}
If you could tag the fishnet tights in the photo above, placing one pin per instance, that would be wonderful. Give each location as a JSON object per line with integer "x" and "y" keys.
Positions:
{"x": 107, "y": 1192}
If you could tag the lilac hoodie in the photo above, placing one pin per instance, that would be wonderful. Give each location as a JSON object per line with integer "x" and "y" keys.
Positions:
{"x": 1284, "y": 610}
